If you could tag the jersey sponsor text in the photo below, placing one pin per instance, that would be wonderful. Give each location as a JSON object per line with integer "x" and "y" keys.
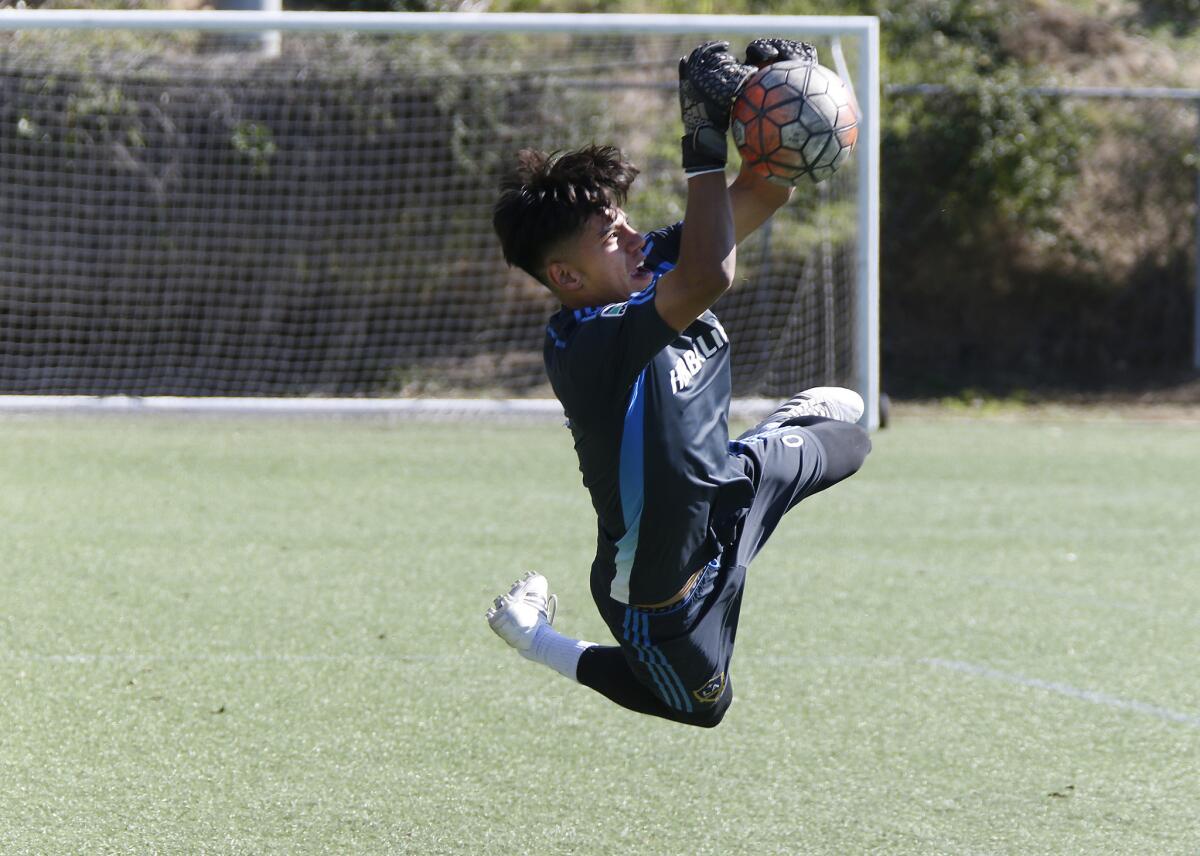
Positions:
{"x": 689, "y": 365}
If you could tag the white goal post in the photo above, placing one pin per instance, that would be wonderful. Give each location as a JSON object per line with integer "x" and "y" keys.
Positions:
{"x": 261, "y": 153}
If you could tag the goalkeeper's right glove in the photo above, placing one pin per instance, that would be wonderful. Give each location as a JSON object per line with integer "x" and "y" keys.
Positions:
{"x": 709, "y": 82}
{"x": 763, "y": 52}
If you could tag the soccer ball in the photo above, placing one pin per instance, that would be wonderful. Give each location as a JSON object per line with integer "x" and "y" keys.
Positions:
{"x": 793, "y": 120}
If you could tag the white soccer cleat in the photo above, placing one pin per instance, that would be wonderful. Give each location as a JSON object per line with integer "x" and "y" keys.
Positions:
{"x": 832, "y": 402}
{"x": 517, "y": 615}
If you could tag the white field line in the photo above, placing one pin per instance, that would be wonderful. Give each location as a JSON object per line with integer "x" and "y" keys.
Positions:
{"x": 979, "y": 671}
{"x": 1059, "y": 688}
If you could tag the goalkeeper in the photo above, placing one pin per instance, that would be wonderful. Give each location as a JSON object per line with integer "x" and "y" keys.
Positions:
{"x": 641, "y": 366}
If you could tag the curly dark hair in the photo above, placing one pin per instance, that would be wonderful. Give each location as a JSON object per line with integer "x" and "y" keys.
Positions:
{"x": 548, "y": 197}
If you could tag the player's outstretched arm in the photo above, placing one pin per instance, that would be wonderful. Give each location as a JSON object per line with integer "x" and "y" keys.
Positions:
{"x": 707, "y": 254}
{"x": 709, "y": 80}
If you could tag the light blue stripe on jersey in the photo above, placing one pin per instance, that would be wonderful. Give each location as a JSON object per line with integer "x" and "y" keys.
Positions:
{"x": 631, "y": 478}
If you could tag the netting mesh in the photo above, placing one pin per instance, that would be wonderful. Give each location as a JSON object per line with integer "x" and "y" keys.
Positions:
{"x": 182, "y": 216}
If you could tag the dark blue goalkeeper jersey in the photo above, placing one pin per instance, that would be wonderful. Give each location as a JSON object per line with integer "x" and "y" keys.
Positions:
{"x": 648, "y": 408}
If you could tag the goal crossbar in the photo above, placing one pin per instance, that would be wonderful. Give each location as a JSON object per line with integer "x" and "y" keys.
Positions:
{"x": 391, "y": 22}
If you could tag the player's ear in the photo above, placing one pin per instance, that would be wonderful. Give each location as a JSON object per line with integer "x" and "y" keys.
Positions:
{"x": 563, "y": 277}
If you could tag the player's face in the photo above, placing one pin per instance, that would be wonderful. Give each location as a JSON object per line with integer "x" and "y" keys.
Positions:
{"x": 606, "y": 257}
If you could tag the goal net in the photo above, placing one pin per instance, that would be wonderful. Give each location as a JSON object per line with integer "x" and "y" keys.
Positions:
{"x": 186, "y": 213}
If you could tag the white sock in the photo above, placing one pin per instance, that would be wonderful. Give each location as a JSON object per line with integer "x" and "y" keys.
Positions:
{"x": 560, "y": 653}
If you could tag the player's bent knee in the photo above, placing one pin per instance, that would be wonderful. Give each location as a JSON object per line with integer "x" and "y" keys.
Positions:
{"x": 859, "y": 446}
{"x": 714, "y": 717}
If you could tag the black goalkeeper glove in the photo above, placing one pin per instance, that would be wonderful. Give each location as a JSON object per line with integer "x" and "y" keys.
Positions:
{"x": 763, "y": 52}
{"x": 710, "y": 79}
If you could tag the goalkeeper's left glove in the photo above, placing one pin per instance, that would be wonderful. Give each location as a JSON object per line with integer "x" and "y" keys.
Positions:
{"x": 763, "y": 52}
{"x": 710, "y": 79}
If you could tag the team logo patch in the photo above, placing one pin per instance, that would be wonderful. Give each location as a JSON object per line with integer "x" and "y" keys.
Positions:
{"x": 711, "y": 691}
{"x": 614, "y": 310}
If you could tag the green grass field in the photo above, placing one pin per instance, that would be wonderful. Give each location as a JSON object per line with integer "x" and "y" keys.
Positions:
{"x": 268, "y": 637}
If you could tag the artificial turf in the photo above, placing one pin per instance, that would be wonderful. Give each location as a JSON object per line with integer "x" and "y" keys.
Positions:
{"x": 268, "y": 637}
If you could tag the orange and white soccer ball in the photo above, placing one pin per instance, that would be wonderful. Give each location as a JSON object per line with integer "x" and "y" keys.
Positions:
{"x": 793, "y": 120}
